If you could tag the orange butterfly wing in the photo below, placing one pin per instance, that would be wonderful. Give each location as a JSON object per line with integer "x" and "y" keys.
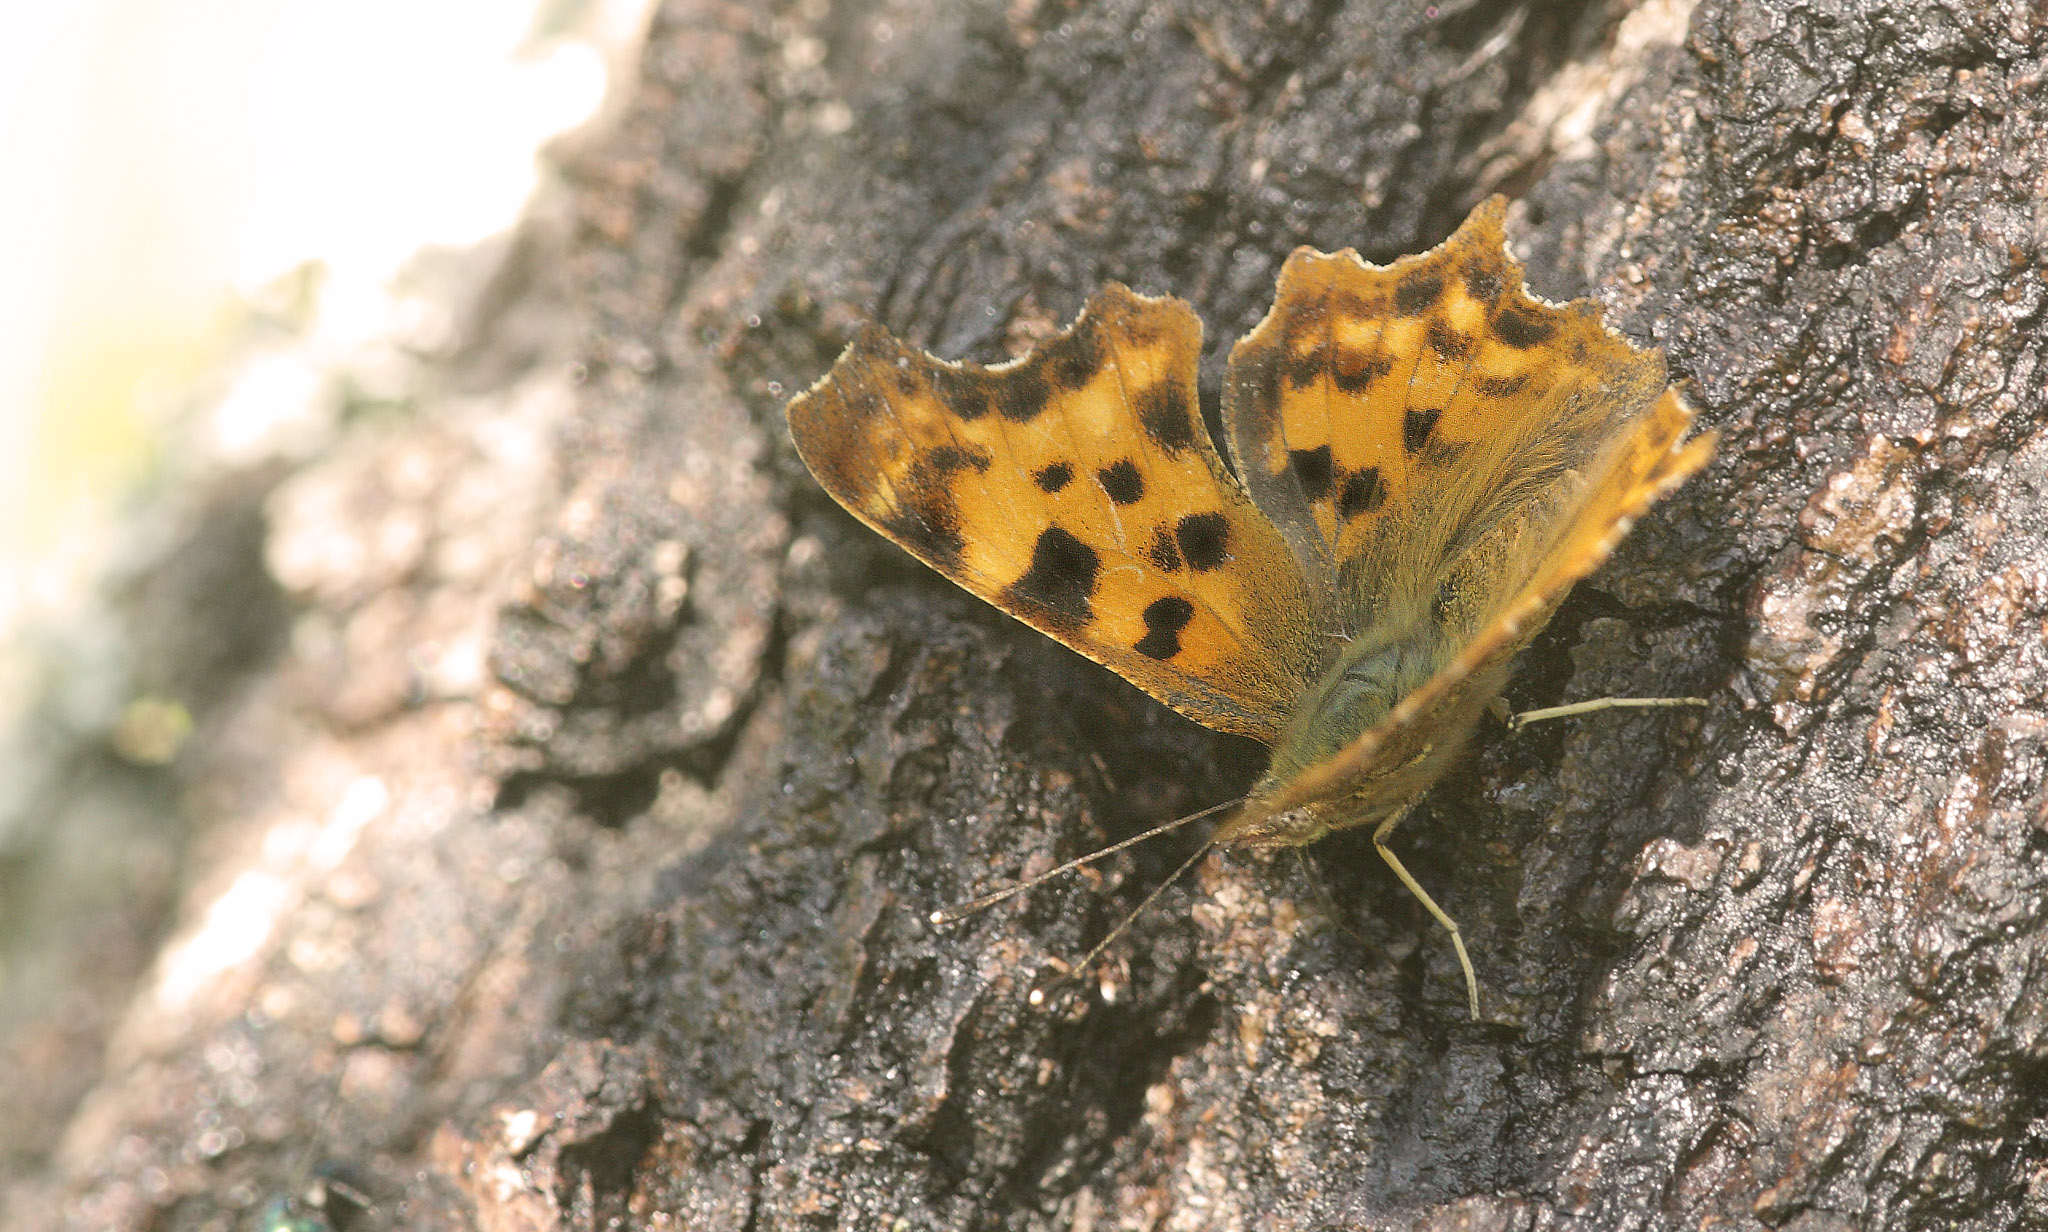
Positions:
{"x": 1383, "y": 769}
{"x": 1077, "y": 489}
{"x": 1445, "y": 455}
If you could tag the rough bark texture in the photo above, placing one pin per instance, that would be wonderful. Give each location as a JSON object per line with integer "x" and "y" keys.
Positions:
{"x": 635, "y": 936}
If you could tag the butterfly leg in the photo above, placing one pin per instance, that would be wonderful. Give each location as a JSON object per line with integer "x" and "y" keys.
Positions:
{"x": 1379, "y": 842}
{"x": 1517, "y": 722}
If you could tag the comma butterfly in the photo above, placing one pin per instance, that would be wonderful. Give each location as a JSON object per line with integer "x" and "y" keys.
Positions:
{"x": 1424, "y": 459}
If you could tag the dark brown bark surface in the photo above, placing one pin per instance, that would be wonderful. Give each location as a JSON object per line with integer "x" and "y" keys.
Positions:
{"x": 633, "y": 933}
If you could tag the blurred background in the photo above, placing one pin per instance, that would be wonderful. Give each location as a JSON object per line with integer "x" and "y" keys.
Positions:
{"x": 178, "y": 165}
{"x": 229, "y": 228}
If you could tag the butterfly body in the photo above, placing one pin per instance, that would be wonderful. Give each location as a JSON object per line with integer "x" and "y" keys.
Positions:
{"x": 1425, "y": 458}
{"x": 1394, "y": 780}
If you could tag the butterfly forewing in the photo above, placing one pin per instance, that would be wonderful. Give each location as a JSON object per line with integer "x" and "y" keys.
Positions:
{"x": 1078, "y": 490}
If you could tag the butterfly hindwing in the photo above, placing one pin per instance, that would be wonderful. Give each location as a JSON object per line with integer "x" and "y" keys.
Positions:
{"x": 1077, "y": 489}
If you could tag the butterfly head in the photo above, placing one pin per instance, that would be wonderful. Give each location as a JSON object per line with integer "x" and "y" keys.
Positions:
{"x": 1258, "y": 825}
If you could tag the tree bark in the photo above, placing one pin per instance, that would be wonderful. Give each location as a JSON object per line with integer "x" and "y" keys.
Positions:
{"x": 649, "y": 944}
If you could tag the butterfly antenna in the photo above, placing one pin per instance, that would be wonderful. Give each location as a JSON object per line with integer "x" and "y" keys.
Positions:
{"x": 1038, "y": 994}
{"x": 953, "y": 915}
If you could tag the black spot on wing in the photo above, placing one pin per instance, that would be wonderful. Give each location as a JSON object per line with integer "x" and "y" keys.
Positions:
{"x": 944, "y": 460}
{"x": 1481, "y": 280}
{"x": 1053, "y": 478}
{"x": 1056, "y": 591}
{"x": 1304, "y": 346}
{"x": 930, "y": 529}
{"x": 1448, "y": 343}
{"x": 1501, "y": 386}
{"x": 1520, "y": 328}
{"x": 1356, "y": 370}
{"x": 1073, "y": 359}
{"x": 1121, "y": 482}
{"x": 926, "y": 519}
{"x": 1164, "y": 553}
{"x": 1351, "y": 306}
{"x": 1416, "y": 293}
{"x": 1204, "y": 540}
{"x": 1164, "y": 619}
{"x": 1313, "y": 470}
{"x": 1305, "y": 365}
{"x": 1364, "y": 492}
{"x": 1416, "y": 427}
{"x": 966, "y": 393}
{"x": 1164, "y": 413}
{"x": 1021, "y": 393}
